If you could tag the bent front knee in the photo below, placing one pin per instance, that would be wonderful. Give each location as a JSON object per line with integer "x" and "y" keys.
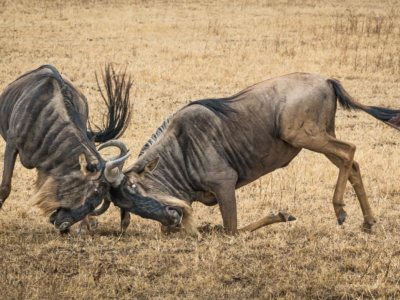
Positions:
{"x": 355, "y": 167}
{"x": 352, "y": 151}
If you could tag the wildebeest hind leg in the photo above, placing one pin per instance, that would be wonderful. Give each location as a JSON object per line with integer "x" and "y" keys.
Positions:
{"x": 356, "y": 182}
{"x": 340, "y": 151}
{"x": 268, "y": 220}
{"x": 10, "y": 156}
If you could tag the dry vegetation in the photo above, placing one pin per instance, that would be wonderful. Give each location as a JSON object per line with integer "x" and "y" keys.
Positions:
{"x": 188, "y": 50}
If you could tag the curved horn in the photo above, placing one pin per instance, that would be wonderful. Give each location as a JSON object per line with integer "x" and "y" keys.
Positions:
{"x": 118, "y": 162}
{"x": 116, "y": 143}
{"x": 119, "y": 144}
{"x": 113, "y": 170}
{"x": 103, "y": 208}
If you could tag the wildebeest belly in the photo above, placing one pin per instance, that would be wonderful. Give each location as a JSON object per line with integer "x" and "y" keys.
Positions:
{"x": 277, "y": 156}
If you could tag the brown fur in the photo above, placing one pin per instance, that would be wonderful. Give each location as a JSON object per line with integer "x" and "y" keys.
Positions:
{"x": 212, "y": 147}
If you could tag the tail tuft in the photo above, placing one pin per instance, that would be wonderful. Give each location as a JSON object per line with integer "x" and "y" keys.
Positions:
{"x": 389, "y": 116}
{"x": 116, "y": 98}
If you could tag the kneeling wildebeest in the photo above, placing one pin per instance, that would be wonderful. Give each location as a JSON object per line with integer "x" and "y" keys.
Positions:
{"x": 211, "y": 147}
{"x": 44, "y": 120}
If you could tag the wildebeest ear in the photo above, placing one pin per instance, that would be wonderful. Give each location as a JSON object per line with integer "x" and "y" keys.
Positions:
{"x": 150, "y": 166}
{"x": 83, "y": 163}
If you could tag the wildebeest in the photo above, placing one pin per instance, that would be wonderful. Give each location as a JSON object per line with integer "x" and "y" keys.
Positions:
{"x": 44, "y": 121}
{"x": 211, "y": 147}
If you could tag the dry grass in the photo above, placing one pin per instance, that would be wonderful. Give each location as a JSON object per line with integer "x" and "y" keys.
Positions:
{"x": 182, "y": 51}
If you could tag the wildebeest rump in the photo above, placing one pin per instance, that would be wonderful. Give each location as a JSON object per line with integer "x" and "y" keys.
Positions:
{"x": 211, "y": 147}
{"x": 44, "y": 121}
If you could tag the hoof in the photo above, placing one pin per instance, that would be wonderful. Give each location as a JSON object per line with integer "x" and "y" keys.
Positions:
{"x": 168, "y": 230}
{"x": 94, "y": 223}
{"x": 286, "y": 216}
{"x": 367, "y": 226}
{"x": 82, "y": 231}
{"x": 205, "y": 229}
{"x": 219, "y": 228}
{"x": 64, "y": 226}
{"x": 342, "y": 218}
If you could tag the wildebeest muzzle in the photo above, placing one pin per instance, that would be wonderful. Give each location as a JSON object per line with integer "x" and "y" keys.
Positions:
{"x": 146, "y": 207}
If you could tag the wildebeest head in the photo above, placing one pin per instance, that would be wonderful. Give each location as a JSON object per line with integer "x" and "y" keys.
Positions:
{"x": 76, "y": 191}
{"x": 129, "y": 192}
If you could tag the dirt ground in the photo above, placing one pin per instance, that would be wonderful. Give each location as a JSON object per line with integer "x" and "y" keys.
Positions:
{"x": 180, "y": 51}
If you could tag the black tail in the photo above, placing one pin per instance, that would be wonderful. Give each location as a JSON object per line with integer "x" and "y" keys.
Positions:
{"x": 117, "y": 119}
{"x": 389, "y": 116}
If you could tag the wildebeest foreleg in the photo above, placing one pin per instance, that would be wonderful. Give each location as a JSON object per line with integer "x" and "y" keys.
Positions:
{"x": 227, "y": 205}
{"x": 356, "y": 181}
{"x": 202, "y": 229}
{"x": 84, "y": 226}
{"x": 10, "y": 156}
{"x": 125, "y": 220}
{"x": 268, "y": 220}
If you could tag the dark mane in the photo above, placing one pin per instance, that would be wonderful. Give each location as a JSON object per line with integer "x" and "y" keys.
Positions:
{"x": 219, "y": 107}
{"x": 156, "y": 136}
{"x": 55, "y": 74}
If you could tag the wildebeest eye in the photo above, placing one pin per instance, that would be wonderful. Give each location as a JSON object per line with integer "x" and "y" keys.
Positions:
{"x": 96, "y": 192}
{"x": 131, "y": 189}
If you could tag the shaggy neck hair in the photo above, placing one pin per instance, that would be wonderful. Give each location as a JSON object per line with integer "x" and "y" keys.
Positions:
{"x": 157, "y": 135}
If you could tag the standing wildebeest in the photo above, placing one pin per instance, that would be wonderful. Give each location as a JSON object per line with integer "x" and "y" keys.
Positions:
{"x": 43, "y": 119}
{"x": 211, "y": 147}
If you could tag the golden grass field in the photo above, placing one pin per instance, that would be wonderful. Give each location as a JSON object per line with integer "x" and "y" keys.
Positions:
{"x": 180, "y": 51}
